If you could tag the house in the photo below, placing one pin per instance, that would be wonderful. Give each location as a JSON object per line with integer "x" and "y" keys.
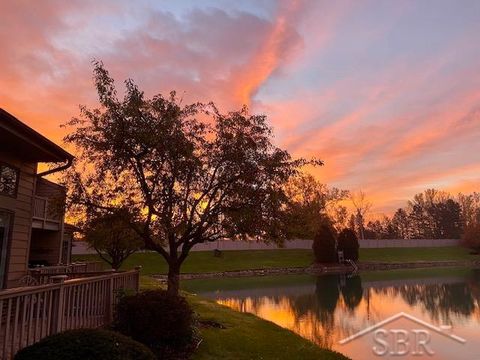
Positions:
{"x": 31, "y": 207}
{"x": 36, "y": 303}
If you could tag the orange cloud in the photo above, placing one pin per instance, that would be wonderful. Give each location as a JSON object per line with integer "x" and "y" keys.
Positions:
{"x": 446, "y": 122}
{"x": 278, "y": 45}
{"x": 388, "y": 114}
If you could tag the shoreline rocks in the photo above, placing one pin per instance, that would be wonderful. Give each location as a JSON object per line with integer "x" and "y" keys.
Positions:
{"x": 320, "y": 269}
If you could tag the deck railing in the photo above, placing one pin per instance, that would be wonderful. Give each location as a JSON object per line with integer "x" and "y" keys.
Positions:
{"x": 31, "y": 313}
{"x": 43, "y": 274}
{"x": 70, "y": 268}
{"x": 44, "y": 209}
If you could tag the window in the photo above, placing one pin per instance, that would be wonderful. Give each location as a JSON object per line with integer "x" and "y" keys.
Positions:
{"x": 8, "y": 180}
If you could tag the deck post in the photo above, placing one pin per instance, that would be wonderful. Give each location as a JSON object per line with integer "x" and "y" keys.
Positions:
{"x": 58, "y": 302}
{"x": 137, "y": 279}
{"x": 110, "y": 298}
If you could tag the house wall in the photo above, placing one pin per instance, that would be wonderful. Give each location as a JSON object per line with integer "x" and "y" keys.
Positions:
{"x": 21, "y": 209}
{"x": 66, "y": 256}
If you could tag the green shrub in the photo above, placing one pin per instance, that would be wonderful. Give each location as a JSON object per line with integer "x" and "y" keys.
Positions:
{"x": 324, "y": 245}
{"x": 86, "y": 344}
{"x": 348, "y": 243}
{"x": 162, "y": 322}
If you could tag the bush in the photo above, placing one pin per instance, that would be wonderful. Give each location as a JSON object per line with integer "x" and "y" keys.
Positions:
{"x": 86, "y": 344}
{"x": 348, "y": 243}
{"x": 324, "y": 245}
{"x": 471, "y": 237}
{"x": 162, "y": 322}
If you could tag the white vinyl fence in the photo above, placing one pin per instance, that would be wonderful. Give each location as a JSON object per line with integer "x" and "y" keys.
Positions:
{"x": 307, "y": 244}
{"x": 405, "y": 243}
{"x": 81, "y": 248}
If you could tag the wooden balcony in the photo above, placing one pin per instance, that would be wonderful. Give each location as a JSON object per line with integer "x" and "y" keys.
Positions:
{"x": 46, "y": 214}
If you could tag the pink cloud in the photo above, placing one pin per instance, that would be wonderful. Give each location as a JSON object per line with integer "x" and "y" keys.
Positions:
{"x": 384, "y": 130}
{"x": 277, "y": 47}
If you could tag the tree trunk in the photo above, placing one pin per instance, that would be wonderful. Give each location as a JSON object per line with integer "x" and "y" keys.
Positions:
{"x": 116, "y": 264}
{"x": 173, "y": 283}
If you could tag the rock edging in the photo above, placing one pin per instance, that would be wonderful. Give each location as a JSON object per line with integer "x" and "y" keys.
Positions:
{"x": 319, "y": 269}
{"x": 239, "y": 273}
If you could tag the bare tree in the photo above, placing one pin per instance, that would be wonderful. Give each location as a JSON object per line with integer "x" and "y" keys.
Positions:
{"x": 362, "y": 206}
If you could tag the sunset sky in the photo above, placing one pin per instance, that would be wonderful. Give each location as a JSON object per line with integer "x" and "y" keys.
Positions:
{"x": 387, "y": 93}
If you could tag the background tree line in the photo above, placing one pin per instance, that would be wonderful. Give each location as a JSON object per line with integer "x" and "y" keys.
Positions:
{"x": 432, "y": 214}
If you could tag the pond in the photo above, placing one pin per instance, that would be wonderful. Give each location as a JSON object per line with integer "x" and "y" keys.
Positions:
{"x": 442, "y": 307}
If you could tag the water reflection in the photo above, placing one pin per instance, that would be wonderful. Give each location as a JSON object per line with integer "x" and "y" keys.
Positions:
{"x": 326, "y": 309}
{"x": 440, "y": 300}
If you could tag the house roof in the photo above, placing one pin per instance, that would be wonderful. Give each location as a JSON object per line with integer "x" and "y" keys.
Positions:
{"x": 21, "y": 140}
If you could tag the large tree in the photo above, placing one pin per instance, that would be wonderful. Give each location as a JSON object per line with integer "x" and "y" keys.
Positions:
{"x": 470, "y": 208}
{"x": 311, "y": 204}
{"x": 435, "y": 215}
{"x": 401, "y": 223}
{"x": 181, "y": 174}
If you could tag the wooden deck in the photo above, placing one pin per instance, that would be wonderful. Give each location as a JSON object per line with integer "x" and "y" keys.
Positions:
{"x": 29, "y": 314}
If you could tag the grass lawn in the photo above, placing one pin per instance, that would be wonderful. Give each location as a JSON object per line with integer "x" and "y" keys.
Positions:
{"x": 246, "y": 336}
{"x": 196, "y": 286}
{"x": 416, "y": 254}
{"x": 204, "y": 261}
{"x": 433, "y": 272}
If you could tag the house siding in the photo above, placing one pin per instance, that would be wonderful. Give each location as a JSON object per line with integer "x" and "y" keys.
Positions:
{"x": 21, "y": 209}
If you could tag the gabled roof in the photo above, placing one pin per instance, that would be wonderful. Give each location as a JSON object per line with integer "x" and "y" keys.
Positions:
{"x": 22, "y": 141}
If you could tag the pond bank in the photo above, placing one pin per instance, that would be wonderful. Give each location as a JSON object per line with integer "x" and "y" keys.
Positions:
{"x": 319, "y": 269}
{"x": 324, "y": 309}
{"x": 244, "y": 336}
{"x": 417, "y": 264}
{"x": 379, "y": 265}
